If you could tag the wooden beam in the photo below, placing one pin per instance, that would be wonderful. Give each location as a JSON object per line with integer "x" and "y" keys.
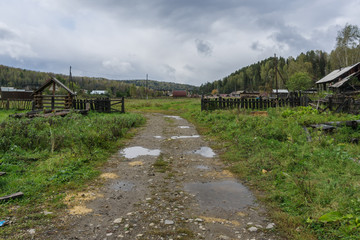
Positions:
{"x": 11, "y": 196}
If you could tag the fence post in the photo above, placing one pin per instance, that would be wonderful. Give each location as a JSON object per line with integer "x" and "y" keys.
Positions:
{"x": 123, "y": 104}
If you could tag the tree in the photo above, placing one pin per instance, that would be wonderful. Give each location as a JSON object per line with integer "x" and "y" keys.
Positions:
{"x": 299, "y": 81}
{"x": 347, "y": 45}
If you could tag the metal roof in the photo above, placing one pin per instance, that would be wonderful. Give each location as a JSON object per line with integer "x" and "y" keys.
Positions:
{"x": 340, "y": 83}
{"x": 11, "y": 89}
{"x": 336, "y": 74}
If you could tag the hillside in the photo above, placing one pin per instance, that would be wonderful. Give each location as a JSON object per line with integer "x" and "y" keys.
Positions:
{"x": 22, "y": 78}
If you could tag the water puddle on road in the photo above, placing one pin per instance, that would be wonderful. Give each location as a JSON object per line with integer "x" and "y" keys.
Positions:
{"x": 134, "y": 152}
{"x": 205, "y": 152}
{"x": 226, "y": 195}
{"x": 175, "y": 117}
{"x": 202, "y": 167}
{"x": 124, "y": 186}
{"x": 158, "y": 137}
{"x": 183, "y": 137}
{"x": 184, "y": 127}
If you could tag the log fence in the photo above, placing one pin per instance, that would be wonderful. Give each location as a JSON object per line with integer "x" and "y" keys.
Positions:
{"x": 105, "y": 105}
{"x": 252, "y": 103}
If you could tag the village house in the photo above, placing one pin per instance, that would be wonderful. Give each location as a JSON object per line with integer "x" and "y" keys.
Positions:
{"x": 11, "y": 93}
{"x": 179, "y": 93}
{"x": 341, "y": 80}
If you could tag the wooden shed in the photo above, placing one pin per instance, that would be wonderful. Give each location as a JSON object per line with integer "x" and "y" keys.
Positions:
{"x": 52, "y": 100}
{"x": 179, "y": 93}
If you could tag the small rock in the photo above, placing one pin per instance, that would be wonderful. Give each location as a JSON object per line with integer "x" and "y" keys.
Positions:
{"x": 47, "y": 213}
{"x": 31, "y": 231}
{"x": 223, "y": 237}
{"x": 253, "y": 229}
{"x": 118, "y": 220}
{"x": 148, "y": 199}
{"x": 169, "y": 222}
{"x": 270, "y": 226}
{"x": 109, "y": 234}
{"x": 126, "y": 226}
{"x": 139, "y": 235}
{"x": 152, "y": 224}
{"x": 198, "y": 220}
{"x": 121, "y": 236}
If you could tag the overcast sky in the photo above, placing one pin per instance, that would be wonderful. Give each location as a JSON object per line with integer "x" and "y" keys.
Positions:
{"x": 183, "y": 41}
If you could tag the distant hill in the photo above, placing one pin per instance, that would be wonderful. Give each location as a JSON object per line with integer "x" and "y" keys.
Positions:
{"x": 161, "y": 86}
{"x": 30, "y": 80}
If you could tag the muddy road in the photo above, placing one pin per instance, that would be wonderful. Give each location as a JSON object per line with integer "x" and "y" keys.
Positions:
{"x": 167, "y": 183}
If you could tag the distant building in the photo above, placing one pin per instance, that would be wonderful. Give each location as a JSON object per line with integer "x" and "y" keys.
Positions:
{"x": 179, "y": 93}
{"x": 98, "y": 92}
{"x": 339, "y": 79}
{"x": 12, "y": 93}
{"x": 280, "y": 92}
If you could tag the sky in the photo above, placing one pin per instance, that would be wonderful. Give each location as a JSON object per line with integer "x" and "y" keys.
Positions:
{"x": 182, "y": 41}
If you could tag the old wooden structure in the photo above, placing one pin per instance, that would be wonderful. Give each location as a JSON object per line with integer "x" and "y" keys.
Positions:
{"x": 252, "y": 103}
{"x": 53, "y": 100}
{"x": 105, "y": 105}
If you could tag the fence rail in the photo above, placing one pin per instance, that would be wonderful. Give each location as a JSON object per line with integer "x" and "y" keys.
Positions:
{"x": 19, "y": 104}
{"x": 99, "y": 104}
{"x": 251, "y": 103}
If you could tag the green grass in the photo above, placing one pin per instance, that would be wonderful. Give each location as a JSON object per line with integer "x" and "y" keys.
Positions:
{"x": 302, "y": 183}
{"x": 44, "y": 157}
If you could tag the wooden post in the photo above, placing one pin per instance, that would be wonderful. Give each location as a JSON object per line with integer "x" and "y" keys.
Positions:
{"x": 123, "y": 104}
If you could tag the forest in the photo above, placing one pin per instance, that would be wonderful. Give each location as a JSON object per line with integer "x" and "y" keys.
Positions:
{"x": 312, "y": 66}
{"x": 31, "y": 80}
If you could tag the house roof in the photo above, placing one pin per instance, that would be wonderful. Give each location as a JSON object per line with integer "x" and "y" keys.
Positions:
{"x": 336, "y": 74}
{"x": 11, "y": 89}
{"x": 53, "y": 80}
{"x": 281, "y": 91}
{"x": 343, "y": 81}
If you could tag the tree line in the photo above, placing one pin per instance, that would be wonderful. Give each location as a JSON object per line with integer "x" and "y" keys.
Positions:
{"x": 31, "y": 80}
{"x": 298, "y": 73}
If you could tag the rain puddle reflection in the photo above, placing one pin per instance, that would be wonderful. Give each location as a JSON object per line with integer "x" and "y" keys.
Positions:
{"x": 226, "y": 195}
{"x": 182, "y": 137}
{"x": 205, "y": 152}
{"x": 124, "y": 186}
{"x": 175, "y": 117}
{"x": 133, "y": 152}
{"x": 158, "y": 137}
{"x": 184, "y": 127}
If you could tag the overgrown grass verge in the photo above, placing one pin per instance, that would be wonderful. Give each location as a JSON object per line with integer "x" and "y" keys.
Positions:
{"x": 312, "y": 187}
{"x": 44, "y": 157}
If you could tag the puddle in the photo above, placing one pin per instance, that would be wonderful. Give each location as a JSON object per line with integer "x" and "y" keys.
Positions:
{"x": 184, "y": 127}
{"x": 158, "y": 137}
{"x": 182, "y": 137}
{"x": 202, "y": 167}
{"x": 175, "y": 117}
{"x": 205, "y": 152}
{"x": 226, "y": 195}
{"x": 133, "y": 152}
{"x": 122, "y": 186}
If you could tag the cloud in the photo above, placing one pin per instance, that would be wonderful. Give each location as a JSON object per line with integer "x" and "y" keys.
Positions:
{"x": 117, "y": 65}
{"x": 203, "y": 47}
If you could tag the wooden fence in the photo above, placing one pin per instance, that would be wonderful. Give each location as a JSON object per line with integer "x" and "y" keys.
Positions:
{"x": 99, "y": 104}
{"x": 19, "y": 104}
{"x": 251, "y": 103}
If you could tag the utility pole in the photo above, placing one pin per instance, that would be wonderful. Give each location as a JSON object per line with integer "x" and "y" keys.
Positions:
{"x": 146, "y": 87}
{"x": 71, "y": 83}
{"x": 276, "y": 71}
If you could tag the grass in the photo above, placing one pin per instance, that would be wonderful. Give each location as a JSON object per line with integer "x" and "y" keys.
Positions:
{"x": 45, "y": 157}
{"x": 311, "y": 188}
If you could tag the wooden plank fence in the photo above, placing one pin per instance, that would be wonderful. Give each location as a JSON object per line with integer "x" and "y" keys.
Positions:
{"x": 251, "y": 103}
{"x": 99, "y": 104}
{"x": 19, "y": 104}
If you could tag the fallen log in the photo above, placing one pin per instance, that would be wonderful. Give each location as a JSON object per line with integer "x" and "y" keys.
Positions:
{"x": 11, "y": 196}
{"x": 2, "y": 173}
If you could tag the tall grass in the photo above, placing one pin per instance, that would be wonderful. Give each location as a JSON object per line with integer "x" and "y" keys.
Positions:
{"x": 42, "y": 157}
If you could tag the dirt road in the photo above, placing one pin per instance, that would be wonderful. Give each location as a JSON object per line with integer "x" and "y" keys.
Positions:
{"x": 166, "y": 184}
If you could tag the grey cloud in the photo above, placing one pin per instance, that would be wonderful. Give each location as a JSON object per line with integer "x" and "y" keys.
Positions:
{"x": 203, "y": 47}
{"x": 6, "y": 33}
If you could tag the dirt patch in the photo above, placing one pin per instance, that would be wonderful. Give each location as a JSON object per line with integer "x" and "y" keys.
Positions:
{"x": 145, "y": 196}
